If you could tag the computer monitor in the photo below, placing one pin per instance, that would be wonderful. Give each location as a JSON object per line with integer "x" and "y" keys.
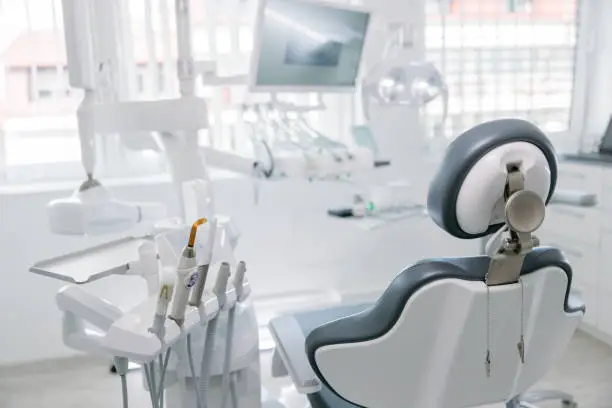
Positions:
{"x": 605, "y": 147}
{"x": 307, "y": 46}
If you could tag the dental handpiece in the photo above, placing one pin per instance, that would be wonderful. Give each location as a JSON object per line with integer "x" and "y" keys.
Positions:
{"x": 220, "y": 289}
{"x": 186, "y": 277}
{"x": 166, "y": 289}
{"x": 198, "y": 290}
{"x": 239, "y": 279}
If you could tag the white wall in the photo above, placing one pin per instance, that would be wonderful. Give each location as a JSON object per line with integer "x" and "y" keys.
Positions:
{"x": 288, "y": 241}
{"x": 593, "y": 100}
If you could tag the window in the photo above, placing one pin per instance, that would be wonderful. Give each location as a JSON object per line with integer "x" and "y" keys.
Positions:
{"x": 48, "y": 83}
{"x": 519, "y": 6}
{"x": 525, "y": 64}
{"x": 2, "y": 83}
{"x": 435, "y": 5}
{"x": 42, "y": 113}
{"x": 38, "y": 129}
{"x": 245, "y": 39}
{"x": 144, "y": 82}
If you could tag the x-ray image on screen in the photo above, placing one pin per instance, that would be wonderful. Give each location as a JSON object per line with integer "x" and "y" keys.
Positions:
{"x": 308, "y": 45}
{"x": 318, "y": 55}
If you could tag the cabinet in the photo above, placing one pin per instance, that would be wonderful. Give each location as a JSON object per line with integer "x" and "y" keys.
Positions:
{"x": 585, "y": 236}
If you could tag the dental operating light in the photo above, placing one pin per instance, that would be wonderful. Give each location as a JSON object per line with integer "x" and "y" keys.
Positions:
{"x": 398, "y": 80}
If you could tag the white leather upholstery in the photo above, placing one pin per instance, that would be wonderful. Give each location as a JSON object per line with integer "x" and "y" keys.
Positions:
{"x": 434, "y": 356}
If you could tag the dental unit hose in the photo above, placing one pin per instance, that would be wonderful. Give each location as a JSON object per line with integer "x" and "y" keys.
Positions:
{"x": 121, "y": 365}
{"x": 163, "y": 367}
{"x": 196, "y": 390}
{"x": 186, "y": 276}
{"x": 156, "y": 389}
{"x": 229, "y": 340}
{"x": 198, "y": 290}
{"x": 211, "y": 333}
{"x": 150, "y": 384}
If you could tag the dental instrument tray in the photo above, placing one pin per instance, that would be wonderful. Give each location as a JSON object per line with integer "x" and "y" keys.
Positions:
{"x": 88, "y": 265}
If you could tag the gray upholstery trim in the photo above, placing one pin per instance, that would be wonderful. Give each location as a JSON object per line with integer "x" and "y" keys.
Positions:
{"x": 327, "y": 398}
{"x": 311, "y": 320}
{"x": 377, "y": 320}
{"x": 463, "y": 154}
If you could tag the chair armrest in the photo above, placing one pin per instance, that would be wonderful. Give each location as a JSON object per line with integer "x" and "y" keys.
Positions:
{"x": 290, "y": 346}
{"x": 278, "y": 366}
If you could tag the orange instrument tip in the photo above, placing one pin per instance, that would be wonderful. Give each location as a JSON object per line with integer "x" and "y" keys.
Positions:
{"x": 194, "y": 231}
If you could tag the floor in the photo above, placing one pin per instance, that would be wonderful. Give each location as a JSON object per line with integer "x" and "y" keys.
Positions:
{"x": 585, "y": 371}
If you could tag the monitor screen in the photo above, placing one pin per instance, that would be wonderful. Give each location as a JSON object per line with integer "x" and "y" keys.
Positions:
{"x": 307, "y": 46}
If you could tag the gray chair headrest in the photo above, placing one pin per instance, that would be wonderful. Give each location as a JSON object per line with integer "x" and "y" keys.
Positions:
{"x": 465, "y": 152}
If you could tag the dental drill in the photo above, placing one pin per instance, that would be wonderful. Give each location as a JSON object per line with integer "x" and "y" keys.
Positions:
{"x": 186, "y": 276}
{"x": 166, "y": 289}
{"x": 198, "y": 290}
{"x": 227, "y": 385}
{"x": 196, "y": 298}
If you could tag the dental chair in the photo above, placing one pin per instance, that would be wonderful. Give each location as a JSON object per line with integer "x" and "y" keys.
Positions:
{"x": 452, "y": 332}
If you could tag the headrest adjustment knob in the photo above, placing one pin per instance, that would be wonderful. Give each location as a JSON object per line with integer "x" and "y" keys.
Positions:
{"x": 525, "y": 211}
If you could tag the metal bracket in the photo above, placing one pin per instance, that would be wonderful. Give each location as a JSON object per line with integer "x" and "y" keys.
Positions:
{"x": 524, "y": 213}
{"x": 506, "y": 264}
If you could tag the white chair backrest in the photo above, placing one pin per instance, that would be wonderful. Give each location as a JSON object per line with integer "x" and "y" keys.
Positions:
{"x": 434, "y": 355}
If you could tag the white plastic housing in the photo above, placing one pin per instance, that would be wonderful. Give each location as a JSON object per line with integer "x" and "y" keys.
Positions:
{"x": 82, "y": 309}
{"x": 480, "y": 202}
{"x": 94, "y": 310}
{"x": 95, "y": 211}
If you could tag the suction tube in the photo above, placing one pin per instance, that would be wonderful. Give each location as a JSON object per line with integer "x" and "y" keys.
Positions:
{"x": 211, "y": 333}
{"x": 229, "y": 339}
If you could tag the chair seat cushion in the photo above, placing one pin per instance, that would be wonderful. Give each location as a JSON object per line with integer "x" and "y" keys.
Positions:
{"x": 308, "y": 321}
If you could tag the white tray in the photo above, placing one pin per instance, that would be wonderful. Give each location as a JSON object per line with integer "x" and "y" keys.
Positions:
{"x": 111, "y": 258}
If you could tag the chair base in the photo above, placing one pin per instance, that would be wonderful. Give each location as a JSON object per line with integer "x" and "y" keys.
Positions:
{"x": 529, "y": 399}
